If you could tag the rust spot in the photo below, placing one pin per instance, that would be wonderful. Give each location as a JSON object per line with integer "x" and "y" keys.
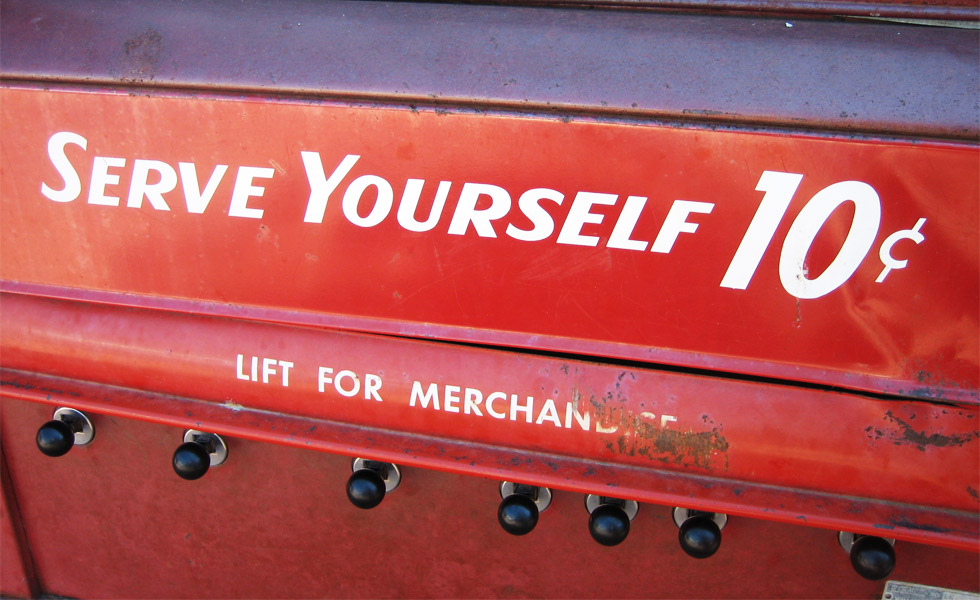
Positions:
{"x": 639, "y": 436}
{"x": 905, "y": 434}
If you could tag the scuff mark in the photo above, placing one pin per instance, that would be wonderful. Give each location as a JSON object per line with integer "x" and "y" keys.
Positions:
{"x": 142, "y": 54}
{"x": 973, "y": 492}
{"x": 233, "y": 406}
{"x": 20, "y": 385}
{"x": 918, "y": 527}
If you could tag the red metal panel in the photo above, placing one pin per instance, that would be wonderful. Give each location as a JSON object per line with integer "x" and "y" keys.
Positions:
{"x": 911, "y": 453}
{"x": 16, "y": 565}
{"x": 111, "y": 520}
{"x": 601, "y": 196}
{"x": 849, "y": 405}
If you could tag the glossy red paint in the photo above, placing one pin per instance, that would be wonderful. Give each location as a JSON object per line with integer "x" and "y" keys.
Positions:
{"x": 738, "y": 433}
{"x": 914, "y": 334}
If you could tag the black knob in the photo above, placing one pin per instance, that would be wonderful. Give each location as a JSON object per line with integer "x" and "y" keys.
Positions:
{"x": 872, "y": 557}
{"x": 518, "y": 514}
{"x": 191, "y": 460}
{"x": 609, "y": 524}
{"x": 55, "y": 438}
{"x": 700, "y": 536}
{"x": 366, "y": 488}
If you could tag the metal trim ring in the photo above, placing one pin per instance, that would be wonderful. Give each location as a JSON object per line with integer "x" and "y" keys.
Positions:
{"x": 681, "y": 514}
{"x": 220, "y": 452}
{"x": 75, "y": 418}
{"x": 630, "y": 508}
{"x": 393, "y": 479}
{"x": 543, "y": 501}
{"x": 846, "y": 540}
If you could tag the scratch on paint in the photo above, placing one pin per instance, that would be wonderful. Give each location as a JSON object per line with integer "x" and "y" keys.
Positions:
{"x": 277, "y": 167}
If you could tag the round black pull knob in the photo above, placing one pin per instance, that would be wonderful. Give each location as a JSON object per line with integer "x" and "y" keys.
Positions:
{"x": 872, "y": 557}
{"x": 200, "y": 451}
{"x": 518, "y": 514}
{"x": 609, "y": 524}
{"x": 55, "y": 438}
{"x": 191, "y": 460}
{"x": 700, "y": 536}
{"x": 67, "y": 428}
{"x": 366, "y": 488}
{"x": 521, "y": 505}
{"x": 370, "y": 481}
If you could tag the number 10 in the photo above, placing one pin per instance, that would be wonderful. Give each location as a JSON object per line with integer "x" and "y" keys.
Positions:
{"x": 779, "y": 189}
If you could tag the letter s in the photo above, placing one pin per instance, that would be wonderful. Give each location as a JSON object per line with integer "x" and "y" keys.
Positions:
{"x": 56, "y": 152}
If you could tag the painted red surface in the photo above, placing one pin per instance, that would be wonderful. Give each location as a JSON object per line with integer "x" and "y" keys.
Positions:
{"x": 273, "y": 522}
{"x": 16, "y": 564}
{"x": 914, "y": 334}
{"x": 158, "y": 313}
{"x": 913, "y": 453}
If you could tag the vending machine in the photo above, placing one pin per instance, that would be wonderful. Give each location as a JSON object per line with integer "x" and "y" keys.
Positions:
{"x": 577, "y": 299}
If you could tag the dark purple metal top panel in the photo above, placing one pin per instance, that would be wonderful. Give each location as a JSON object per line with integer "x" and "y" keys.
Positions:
{"x": 908, "y": 9}
{"x": 865, "y": 77}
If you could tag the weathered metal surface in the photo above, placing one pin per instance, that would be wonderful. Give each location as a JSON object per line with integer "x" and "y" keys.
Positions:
{"x": 910, "y": 9}
{"x": 626, "y": 249}
{"x": 515, "y": 97}
{"x": 274, "y": 521}
{"x": 802, "y": 74}
{"x": 758, "y": 445}
{"x": 16, "y": 564}
{"x": 873, "y": 516}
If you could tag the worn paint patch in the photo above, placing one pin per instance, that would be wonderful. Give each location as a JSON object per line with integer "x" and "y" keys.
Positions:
{"x": 905, "y": 433}
{"x": 637, "y": 435}
{"x": 936, "y": 386}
